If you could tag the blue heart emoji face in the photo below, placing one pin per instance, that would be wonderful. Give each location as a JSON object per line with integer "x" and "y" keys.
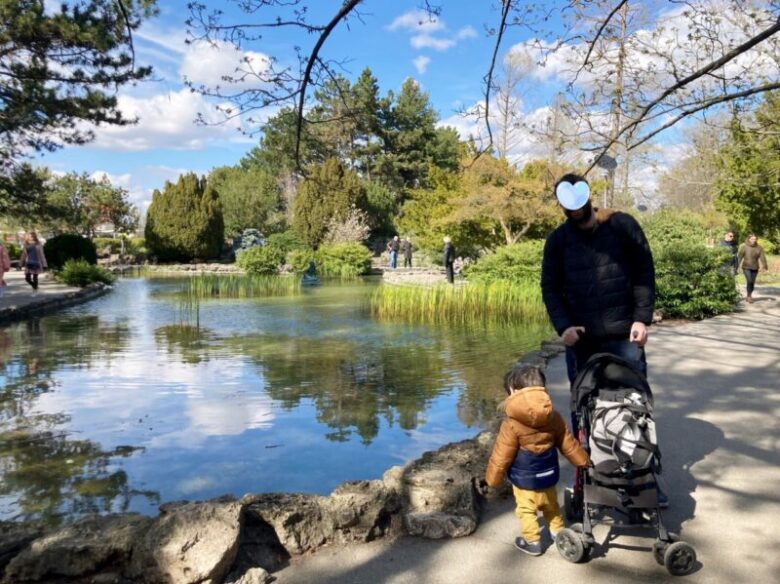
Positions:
{"x": 572, "y": 196}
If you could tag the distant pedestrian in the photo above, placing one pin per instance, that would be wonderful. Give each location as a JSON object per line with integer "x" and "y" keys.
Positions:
{"x": 33, "y": 259}
{"x": 5, "y": 266}
{"x": 749, "y": 257}
{"x": 729, "y": 244}
{"x": 526, "y": 452}
{"x": 392, "y": 247}
{"x": 406, "y": 249}
{"x": 449, "y": 259}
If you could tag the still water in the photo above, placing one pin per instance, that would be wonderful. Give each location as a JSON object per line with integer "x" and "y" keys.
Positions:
{"x": 123, "y": 404}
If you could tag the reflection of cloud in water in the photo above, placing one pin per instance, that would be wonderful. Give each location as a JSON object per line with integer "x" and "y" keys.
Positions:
{"x": 230, "y": 416}
{"x": 195, "y": 484}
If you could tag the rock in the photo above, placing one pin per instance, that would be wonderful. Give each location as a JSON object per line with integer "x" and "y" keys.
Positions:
{"x": 362, "y": 511}
{"x": 188, "y": 543}
{"x": 439, "y": 525}
{"x": 79, "y": 550}
{"x": 300, "y": 522}
{"x": 14, "y": 537}
{"x": 251, "y": 576}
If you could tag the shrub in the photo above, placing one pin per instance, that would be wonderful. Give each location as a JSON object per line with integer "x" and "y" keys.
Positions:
{"x": 691, "y": 281}
{"x": 14, "y": 250}
{"x": 298, "y": 260}
{"x": 135, "y": 245}
{"x": 113, "y": 243}
{"x": 670, "y": 225}
{"x": 61, "y": 248}
{"x": 248, "y": 239}
{"x": 81, "y": 273}
{"x": 263, "y": 260}
{"x": 285, "y": 242}
{"x": 521, "y": 262}
{"x": 345, "y": 260}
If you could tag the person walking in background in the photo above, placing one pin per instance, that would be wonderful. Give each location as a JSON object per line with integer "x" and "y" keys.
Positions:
{"x": 5, "y": 266}
{"x": 406, "y": 248}
{"x": 33, "y": 259}
{"x": 449, "y": 259}
{"x": 749, "y": 257}
{"x": 392, "y": 247}
{"x": 729, "y": 244}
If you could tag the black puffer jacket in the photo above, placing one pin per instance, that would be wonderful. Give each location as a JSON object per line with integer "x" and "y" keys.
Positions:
{"x": 602, "y": 279}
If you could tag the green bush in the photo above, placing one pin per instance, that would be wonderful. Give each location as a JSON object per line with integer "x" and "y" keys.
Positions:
{"x": 670, "y": 225}
{"x": 81, "y": 273}
{"x": 14, "y": 250}
{"x": 691, "y": 281}
{"x": 298, "y": 260}
{"x": 521, "y": 262}
{"x": 135, "y": 245}
{"x": 61, "y": 248}
{"x": 285, "y": 242}
{"x": 345, "y": 260}
{"x": 261, "y": 260}
{"x": 114, "y": 243}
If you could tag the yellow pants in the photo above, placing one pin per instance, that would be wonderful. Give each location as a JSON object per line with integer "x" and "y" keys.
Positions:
{"x": 528, "y": 503}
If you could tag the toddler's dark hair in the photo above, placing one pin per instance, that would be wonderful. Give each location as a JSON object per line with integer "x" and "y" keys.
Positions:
{"x": 524, "y": 376}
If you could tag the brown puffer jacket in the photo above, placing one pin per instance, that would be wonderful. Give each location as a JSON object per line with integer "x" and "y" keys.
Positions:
{"x": 531, "y": 424}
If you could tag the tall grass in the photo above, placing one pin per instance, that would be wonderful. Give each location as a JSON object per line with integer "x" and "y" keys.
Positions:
{"x": 240, "y": 286}
{"x": 498, "y": 302}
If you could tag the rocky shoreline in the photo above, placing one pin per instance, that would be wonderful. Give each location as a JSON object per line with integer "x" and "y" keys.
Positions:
{"x": 229, "y": 541}
{"x": 44, "y": 305}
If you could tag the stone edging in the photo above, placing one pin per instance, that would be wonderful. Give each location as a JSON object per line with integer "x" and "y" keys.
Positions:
{"x": 43, "y": 305}
{"x": 224, "y": 541}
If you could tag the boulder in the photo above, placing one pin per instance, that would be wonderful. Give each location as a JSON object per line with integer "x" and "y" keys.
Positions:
{"x": 86, "y": 548}
{"x": 299, "y": 523}
{"x": 251, "y": 576}
{"x": 14, "y": 537}
{"x": 188, "y": 543}
{"x": 362, "y": 511}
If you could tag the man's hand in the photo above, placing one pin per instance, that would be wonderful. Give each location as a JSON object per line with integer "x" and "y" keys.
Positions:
{"x": 638, "y": 334}
{"x": 571, "y": 335}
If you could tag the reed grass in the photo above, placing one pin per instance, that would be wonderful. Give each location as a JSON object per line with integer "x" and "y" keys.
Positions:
{"x": 240, "y": 286}
{"x": 498, "y": 302}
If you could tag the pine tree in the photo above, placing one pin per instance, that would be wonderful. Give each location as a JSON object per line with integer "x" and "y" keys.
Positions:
{"x": 185, "y": 221}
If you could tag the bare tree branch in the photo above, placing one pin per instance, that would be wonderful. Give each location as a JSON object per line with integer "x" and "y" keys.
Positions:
{"x": 592, "y": 43}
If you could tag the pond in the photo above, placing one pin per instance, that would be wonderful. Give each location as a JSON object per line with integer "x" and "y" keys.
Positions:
{"x": 120, "y": 404}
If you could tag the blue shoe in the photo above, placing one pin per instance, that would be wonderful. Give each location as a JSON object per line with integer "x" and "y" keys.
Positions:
{"x": 533, "y": 549}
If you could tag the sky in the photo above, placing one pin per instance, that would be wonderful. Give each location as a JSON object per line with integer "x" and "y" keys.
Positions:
{"x": 448, "y": 57}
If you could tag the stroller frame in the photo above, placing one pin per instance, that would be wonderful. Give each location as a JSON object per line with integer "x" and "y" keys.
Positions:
{"x": 635, "y": 496}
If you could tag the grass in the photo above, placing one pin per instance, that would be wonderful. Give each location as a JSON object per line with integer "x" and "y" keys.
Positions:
{"x": 240, "y": 286}
{"x": 498, "y": 302}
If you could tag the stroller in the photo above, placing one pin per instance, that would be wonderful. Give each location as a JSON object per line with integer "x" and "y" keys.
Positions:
{"x": 612, "y": 404}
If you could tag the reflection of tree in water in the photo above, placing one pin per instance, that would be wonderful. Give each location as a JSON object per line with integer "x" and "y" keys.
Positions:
{"x": 51, "y": 475}
{"x": 483, "y": 371}
{"x": 190, "y": 343}
{"x": 350, "y": 384}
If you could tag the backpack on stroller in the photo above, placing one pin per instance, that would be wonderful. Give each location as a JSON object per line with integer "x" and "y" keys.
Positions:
{"x": 613, "y": 406}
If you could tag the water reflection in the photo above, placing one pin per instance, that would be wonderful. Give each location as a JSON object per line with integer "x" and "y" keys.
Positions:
{"x": 118, "y": 405}
{"x": 46, "y": 474}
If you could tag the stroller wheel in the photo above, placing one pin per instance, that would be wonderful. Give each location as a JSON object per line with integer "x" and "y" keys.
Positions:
{"x": 679, "y": 558}
{"x": 660, "y": 547}
{"x": 571, "y": 546}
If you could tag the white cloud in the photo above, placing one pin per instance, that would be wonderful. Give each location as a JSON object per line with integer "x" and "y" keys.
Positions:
{"x": 417, "y": 21}
{"x": 421, "y": 64}
{"x": 425, "y": 41}
{"x": 212, "y": 64}
{"x": 168, "y": 121}
{"x": 467, "y": 32}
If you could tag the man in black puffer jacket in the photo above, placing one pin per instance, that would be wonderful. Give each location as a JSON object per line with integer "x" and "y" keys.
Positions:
{"x": 598, "y": 279}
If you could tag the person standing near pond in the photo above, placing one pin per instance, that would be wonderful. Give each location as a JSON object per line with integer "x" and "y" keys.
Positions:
{"x": 33, "y": 259}
{"x": 5, "y": 266}
{"x": 392, "y": 247}
{"x": 729, "y": 244}
{"x": 449, "y": 259}
{"x": 406, "y": 249}
{"x": 749, "y": 257}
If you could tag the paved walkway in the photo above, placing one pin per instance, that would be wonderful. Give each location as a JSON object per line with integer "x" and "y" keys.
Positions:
{"x": 18, "y": 293}
{"x": 717, "y": 386}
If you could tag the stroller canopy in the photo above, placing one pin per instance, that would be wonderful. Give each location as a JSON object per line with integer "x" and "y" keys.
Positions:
{"x": 607, "y": 371}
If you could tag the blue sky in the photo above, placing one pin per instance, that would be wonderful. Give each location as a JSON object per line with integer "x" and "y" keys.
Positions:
{"x": 448, "y": 58}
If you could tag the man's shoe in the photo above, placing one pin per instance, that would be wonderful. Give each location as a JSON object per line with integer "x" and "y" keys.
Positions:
{"x": 533, "y": 549}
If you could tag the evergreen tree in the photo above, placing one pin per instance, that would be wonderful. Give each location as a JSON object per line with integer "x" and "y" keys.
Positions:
{"x": 185, "y": 221}
{"x": 250, "y": 198}
{"x": 328, "y": 193}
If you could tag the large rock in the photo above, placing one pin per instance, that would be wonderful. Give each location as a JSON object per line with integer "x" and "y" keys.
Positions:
{"x": 299, "y": 523}
{"x": 85, "y": 548}
{"x": 188, "y": 543}
{"x": 362, "y": 511}
{"x": 14, "y": 537}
